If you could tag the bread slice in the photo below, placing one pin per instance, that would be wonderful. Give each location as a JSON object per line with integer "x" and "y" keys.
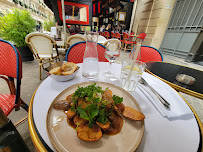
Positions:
{"x": 68, "y": 68}
{"x": 56, "y": 71}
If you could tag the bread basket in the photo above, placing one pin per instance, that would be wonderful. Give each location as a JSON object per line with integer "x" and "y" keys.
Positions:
{"x": 60, "y": 77}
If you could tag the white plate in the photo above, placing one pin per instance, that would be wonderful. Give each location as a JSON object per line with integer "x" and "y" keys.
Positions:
{"x": 64, "y": 138}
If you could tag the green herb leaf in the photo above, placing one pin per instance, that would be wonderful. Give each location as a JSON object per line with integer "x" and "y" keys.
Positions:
{"x": 117, "y": 99}
{"x": 72, "y": 108}
{"x": 83, "y": 113}
{"x": 102, "y": 116}
{"x": 96, "y": 100}
{"x": 92, "y": 110}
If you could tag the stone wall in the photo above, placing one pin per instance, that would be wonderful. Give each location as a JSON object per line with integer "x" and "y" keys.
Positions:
{"x": 39, "y": 11}
{"x": 152, "y": 17}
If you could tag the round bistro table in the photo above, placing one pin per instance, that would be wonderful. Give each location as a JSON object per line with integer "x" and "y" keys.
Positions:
{"x": 161, "y": 134}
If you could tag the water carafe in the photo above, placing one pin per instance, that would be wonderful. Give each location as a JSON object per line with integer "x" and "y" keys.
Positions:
{"x": 90, "y": 68}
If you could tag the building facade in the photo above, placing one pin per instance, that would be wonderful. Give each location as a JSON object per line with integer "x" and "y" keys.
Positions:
{"x": 38, "y": 9}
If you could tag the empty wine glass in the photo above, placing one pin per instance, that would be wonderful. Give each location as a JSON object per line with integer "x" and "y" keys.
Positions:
{"x": 112, "y": 52}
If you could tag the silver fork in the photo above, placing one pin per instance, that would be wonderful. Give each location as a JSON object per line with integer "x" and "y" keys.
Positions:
{"x": 159, "y": 97}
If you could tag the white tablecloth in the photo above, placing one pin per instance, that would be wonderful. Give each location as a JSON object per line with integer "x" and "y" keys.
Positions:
{"x": 161, "y": 134}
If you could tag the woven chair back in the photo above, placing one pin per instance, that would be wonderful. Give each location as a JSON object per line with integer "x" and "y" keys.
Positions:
{"x": 113, "y": 44}
{"x": 10, "y": 60}
{"x": 75, "y": 39}
{"x": 148, "y": 53}
{"x": 118, "y": 36}
{"x": 40, "y": 43}
{"x": 76, "y": 52}
{"x": 106, "y": 34}
{"x": 125, "y": 36}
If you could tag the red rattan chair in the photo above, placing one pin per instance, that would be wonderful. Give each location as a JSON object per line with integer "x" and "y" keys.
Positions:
{"x": 127, "y": 41}
{"x": 118, "y": 36}
{"x": 76, "y": 52}
{"x": 113, "y": 35}
{"x": 100, "y": 32}
{"x": 148, "y": 53}
{"x": 107, "y": 34}
{"x": 11, "y": 70}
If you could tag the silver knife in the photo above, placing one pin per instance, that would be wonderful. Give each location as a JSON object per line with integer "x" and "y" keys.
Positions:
{"x": 159, "y": 97}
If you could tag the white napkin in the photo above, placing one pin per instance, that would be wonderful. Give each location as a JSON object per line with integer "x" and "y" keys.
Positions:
{"x": 179, "y": 109}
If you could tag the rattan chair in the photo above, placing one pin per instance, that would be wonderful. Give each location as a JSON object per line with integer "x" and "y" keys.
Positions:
{"x": 75, "y": 39}
{"x": 113, "y": 44}
{"x": 11, "y": 72}
{"x": 41, "y": 46}
{"x": 127, "y": 41}
{"x": 148, "y": 53}
{"x": 107, "y": 34}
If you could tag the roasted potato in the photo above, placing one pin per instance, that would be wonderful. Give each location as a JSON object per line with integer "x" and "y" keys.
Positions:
{"x": 132, "y": 114}
{"x": 79, "y": 121}
{"x": 70, "y": 114}
{"x": 105, "y": 126}
{"x": 89, "y": 134}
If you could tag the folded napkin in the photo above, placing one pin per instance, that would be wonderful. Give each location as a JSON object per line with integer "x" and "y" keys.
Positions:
{"x": 178, "y": 109}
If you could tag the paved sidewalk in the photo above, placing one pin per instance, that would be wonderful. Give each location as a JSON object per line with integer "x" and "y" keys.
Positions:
{"x": 31, "y": 81}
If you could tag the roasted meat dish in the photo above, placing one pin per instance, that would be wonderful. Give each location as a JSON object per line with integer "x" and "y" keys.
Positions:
{"x": 93, "y": 112}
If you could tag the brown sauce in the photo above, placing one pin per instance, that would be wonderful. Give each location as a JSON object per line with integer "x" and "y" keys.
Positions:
{"x": 116, "y": 126}
{"x": 71, "y": 123}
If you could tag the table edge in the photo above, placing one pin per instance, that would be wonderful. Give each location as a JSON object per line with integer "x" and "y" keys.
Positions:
{"x": 40, "y": 147}
{"x": 33, "y": 134}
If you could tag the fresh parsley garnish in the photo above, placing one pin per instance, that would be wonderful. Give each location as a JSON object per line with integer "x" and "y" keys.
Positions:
{"x": 102, "y": 116}
{"x": 89, "y": 113}
{"x": 117, "y": 99}
{"x": 94, "y": 106}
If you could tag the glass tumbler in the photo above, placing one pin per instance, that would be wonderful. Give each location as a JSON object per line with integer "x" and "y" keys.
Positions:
{"x": 130, "y": 83}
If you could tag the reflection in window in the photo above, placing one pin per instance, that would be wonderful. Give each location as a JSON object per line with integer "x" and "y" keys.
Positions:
{"x": 76, "y": 13}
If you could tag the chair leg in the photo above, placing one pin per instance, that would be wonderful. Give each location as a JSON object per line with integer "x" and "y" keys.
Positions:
{"x": 124, "y": 47}
{"x": 24, "y": 105}
{"x": 40, "y": 65}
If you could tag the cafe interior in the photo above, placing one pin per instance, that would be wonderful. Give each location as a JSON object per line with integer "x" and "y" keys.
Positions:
{"x": 118, "y": 75}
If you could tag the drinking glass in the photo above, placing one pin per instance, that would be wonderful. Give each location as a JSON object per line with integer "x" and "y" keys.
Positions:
{"x": 112, "y": 52}
{"x": 130, "y": 83}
